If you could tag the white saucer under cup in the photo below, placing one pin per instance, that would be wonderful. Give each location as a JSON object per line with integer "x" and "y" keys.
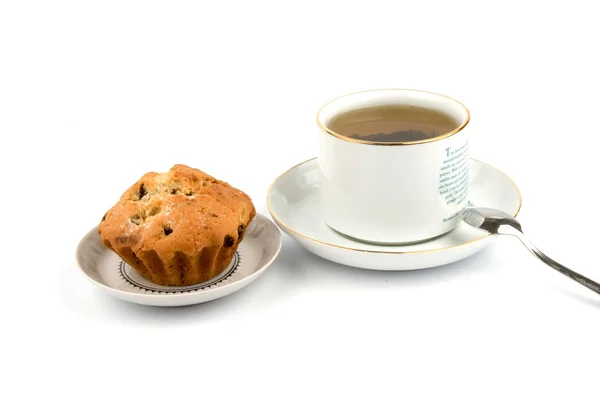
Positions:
{"x": 261, "y": 244}
{"x": 293, "y": 201}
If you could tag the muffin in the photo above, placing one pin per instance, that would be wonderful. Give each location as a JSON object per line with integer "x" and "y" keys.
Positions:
{"x": 177, "y": 228}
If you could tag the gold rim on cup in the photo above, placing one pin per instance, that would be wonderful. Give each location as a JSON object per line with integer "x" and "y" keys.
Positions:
{"x": 358, "y": 141}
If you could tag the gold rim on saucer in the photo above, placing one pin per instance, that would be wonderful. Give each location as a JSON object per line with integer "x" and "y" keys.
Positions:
{"x": 279, "y": 221}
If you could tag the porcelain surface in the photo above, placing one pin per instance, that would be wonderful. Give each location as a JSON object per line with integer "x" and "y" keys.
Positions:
{"x": 293, "y": 200}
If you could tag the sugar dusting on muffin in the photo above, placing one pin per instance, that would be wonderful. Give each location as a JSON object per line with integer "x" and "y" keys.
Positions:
{"x": 178, "y": 228}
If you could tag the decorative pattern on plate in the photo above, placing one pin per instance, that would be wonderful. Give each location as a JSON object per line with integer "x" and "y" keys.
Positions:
{"x": 106, "y": 270}
{"x": 131, "y": 276}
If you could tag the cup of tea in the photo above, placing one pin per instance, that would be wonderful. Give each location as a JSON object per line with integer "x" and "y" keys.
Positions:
{"x": 393, "y": 164}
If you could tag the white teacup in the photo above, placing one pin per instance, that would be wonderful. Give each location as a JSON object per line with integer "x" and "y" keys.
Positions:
{"x": 393, "y": 192}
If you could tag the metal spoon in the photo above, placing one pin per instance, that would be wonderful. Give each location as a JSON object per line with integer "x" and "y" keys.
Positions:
{"x": 499, "y": 223}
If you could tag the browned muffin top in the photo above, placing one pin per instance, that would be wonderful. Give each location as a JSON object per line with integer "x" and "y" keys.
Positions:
{"x": 183, "y": 210}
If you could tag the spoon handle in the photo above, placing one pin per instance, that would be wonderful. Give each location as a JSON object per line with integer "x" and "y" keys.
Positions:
{"x": 587, "y": 282}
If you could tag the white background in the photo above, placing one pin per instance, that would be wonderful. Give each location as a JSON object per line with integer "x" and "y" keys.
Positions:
{"x": 94, "y": 94}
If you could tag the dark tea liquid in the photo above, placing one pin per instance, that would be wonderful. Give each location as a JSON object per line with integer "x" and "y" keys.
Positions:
{"x": 392, "y": 123}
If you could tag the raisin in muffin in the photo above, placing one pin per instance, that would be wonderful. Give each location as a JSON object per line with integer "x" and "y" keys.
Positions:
{"x": 178, "y": 228}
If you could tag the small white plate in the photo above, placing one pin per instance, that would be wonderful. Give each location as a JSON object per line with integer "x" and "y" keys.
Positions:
{"x": 293, "y": 200}
{"x": 261, "y": 244}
